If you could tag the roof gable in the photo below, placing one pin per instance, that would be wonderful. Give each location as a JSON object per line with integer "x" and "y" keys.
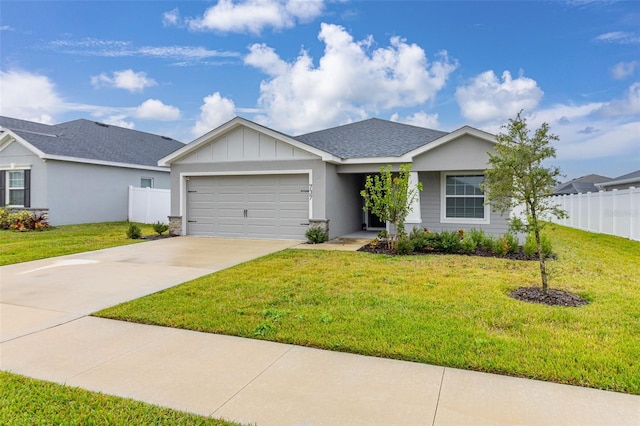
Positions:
{"x": 88, "y": 141}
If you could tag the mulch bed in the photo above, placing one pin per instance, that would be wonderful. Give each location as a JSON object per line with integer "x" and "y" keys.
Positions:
{"x": 552, "y": 297}
{"x": 382, "y": 247}
{"x": 155, "y": 237}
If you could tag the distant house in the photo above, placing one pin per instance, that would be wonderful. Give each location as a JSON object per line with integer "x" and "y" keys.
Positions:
{"x": 245, "y": 180}
{"x": 79, "y": 171}
{"x": 622, "y": 182}
{"x": 581, "y": 185}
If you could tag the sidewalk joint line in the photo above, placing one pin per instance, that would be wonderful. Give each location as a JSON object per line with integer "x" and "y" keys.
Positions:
{"x": 435, "y": 413}
{"x": 252, "y": 380}
{"x": 47, "y": 328}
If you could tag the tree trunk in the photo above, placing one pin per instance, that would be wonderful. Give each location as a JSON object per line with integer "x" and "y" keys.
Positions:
{"x": 543, "y": 267}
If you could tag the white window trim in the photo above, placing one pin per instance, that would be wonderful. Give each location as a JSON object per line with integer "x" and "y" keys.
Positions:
{"x": 9, "y": 188}
{"x": 443, "y": 202}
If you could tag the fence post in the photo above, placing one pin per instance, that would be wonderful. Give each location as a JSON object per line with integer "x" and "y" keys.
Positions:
{"x": 130, "y": 210}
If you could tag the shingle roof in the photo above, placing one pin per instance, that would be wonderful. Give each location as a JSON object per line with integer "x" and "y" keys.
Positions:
{"x": 370, "y": 138}
{"x": 581, "y": 185}
{"x": 631, "y": 175}
{"x": 90, "y": 140}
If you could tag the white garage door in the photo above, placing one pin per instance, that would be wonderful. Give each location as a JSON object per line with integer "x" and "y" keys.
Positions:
{"x": 255, "y": 206}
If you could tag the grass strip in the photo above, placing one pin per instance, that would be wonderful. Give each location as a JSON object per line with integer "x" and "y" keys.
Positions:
{"x": 445, "y": 310}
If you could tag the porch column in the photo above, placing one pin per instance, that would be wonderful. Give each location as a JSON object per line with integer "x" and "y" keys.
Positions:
{"x": 414, "y": 218}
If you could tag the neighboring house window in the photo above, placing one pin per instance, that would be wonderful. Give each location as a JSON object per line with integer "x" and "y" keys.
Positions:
{"x": 15, "y": 188}
{"x": 146, "y": 182}
{"x": 462, "y": 199}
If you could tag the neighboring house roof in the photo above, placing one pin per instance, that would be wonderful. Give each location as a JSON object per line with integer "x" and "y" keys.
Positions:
{"x": 581, "y": 185}
{"x": 370, "y": 138}
{"x": 629, "y": 178}
{"x": 91, "y": 142}
{"x": 369, "y": 141}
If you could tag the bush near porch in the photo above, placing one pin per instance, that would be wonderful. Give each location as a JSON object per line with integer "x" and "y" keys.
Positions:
{"x": 449, "y": 310}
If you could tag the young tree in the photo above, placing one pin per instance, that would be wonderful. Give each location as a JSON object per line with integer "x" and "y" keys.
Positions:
{"x": 389, "y": 196}
{"x": 517, "y": 177}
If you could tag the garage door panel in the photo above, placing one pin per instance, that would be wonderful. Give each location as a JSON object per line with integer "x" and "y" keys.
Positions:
{"x": 277, "y": 206}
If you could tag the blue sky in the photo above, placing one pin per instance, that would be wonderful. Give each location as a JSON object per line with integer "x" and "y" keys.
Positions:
{"x": 181, "y": 68}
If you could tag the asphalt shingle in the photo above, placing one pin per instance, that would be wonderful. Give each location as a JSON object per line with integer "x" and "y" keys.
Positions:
{"x": 90, "y": 140}
{"x": 370, "y": 138}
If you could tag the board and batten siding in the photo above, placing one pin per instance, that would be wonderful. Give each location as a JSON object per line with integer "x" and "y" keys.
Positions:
{"x": 430, "y": 206}
{"x": 244, "y": 144}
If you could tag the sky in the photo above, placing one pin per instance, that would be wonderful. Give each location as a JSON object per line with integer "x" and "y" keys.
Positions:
{"x": 181, "y": 68}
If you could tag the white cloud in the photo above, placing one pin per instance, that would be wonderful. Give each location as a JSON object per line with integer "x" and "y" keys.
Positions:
{"x": 215, "y": 111}
{"x": 487, "y": 99}
{"x": 619, "y": 37}
{"x": 252, "y": 16}
{"x": 153, "y": 109}
{"x": 350, "y": 81}
{"x": 116, "y": 49}
{"x": 171, "y": 18}
{"x": 420, "y": 119}
{"x": 623, "y": 70}
{"x": 6, "y": 28}
{"x": 126, "y": 79}
{"x": 628, "y": 105}
{"x": 28, "y": 96}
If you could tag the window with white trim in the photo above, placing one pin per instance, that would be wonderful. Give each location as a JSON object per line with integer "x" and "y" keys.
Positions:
{"x": 146, "y": 182}
{"x": 462, "y": 199}
{"x": 15, "y": 188}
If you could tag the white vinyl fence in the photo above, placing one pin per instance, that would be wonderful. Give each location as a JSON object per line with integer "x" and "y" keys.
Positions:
{"x": 149, "y": 205}
{"x": 614, "y": 212}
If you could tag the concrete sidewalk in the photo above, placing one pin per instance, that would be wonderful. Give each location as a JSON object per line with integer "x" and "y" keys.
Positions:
{"x": 46, "y": 334}
{"x": 275, "y": 384}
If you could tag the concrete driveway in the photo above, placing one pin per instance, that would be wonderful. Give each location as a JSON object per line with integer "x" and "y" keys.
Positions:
{"x": 38, "y": 295}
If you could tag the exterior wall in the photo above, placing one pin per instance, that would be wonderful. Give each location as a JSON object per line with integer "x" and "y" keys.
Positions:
{"x": 87, "y": 193}
{"x": 20, "y": 156}
{"x": 244, "y": 144}
{"x": 317, "y": 168}
{"x": 464, "y": 153}
{"x": 430, "y": 199}
{"x": 344, "y": 205}
{"x": 622, "y": 186}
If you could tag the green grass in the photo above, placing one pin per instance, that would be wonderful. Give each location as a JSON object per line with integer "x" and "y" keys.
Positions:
{"x": 444, "y": 310}
{"x": 25, "y": 401}
{"x": 16, "y": 247}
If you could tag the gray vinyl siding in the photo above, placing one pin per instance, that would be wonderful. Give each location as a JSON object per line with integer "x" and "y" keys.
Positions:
{"x": 430, "y": 209}
{"x": 344, "y": 206}
{"x": 87, "y": 193}
{"x": 21, "y": 156}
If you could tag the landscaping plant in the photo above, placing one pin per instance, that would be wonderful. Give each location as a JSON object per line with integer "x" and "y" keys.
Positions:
{"x": 134, "y": 232}
{"x": 317, "y": 235}
{"x": 518, "y": 177}
{"x": 160, "y": 227}
{"x": 389, "y": 196}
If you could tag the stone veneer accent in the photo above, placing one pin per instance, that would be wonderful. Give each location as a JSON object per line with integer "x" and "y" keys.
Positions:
{"x": 319, "y": 223}
{"x": 175, "y": 225}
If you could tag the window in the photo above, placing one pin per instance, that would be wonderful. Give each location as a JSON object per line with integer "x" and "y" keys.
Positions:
{"x": 463, "y": 200}
{"x": 146, "y": 182}
{"x": 15, "y": 193}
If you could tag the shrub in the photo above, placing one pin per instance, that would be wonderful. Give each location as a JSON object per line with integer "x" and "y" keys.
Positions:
{"x": 160, "y": 227}
{"x": 512, "y": 242}
{"x": 468, "y": 244}
{"x": 449, "y": 242}
{"x": 477, "y": 236}
{"x": 530, "y": 246}
{"x": 134, "y": 232}
{"x": 419, "y": 238}
{"x": 316, "y": 235}
{"x": 500, "y": 246}
{"x": 23, "y": 220}
{"x": 404, "y": 245}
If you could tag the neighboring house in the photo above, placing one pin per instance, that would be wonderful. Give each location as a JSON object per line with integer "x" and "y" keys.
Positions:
{"x": 245, "y": 180}
{"x": 622, "y": 182}
{"x": 581, "y": 185}
{"x": 79, "y": 171}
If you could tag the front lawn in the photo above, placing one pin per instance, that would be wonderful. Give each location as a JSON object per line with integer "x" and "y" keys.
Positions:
{"x": 449, "y": 310}
{"x": 16, "y": 247}
{"x": 25, "y": 401}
